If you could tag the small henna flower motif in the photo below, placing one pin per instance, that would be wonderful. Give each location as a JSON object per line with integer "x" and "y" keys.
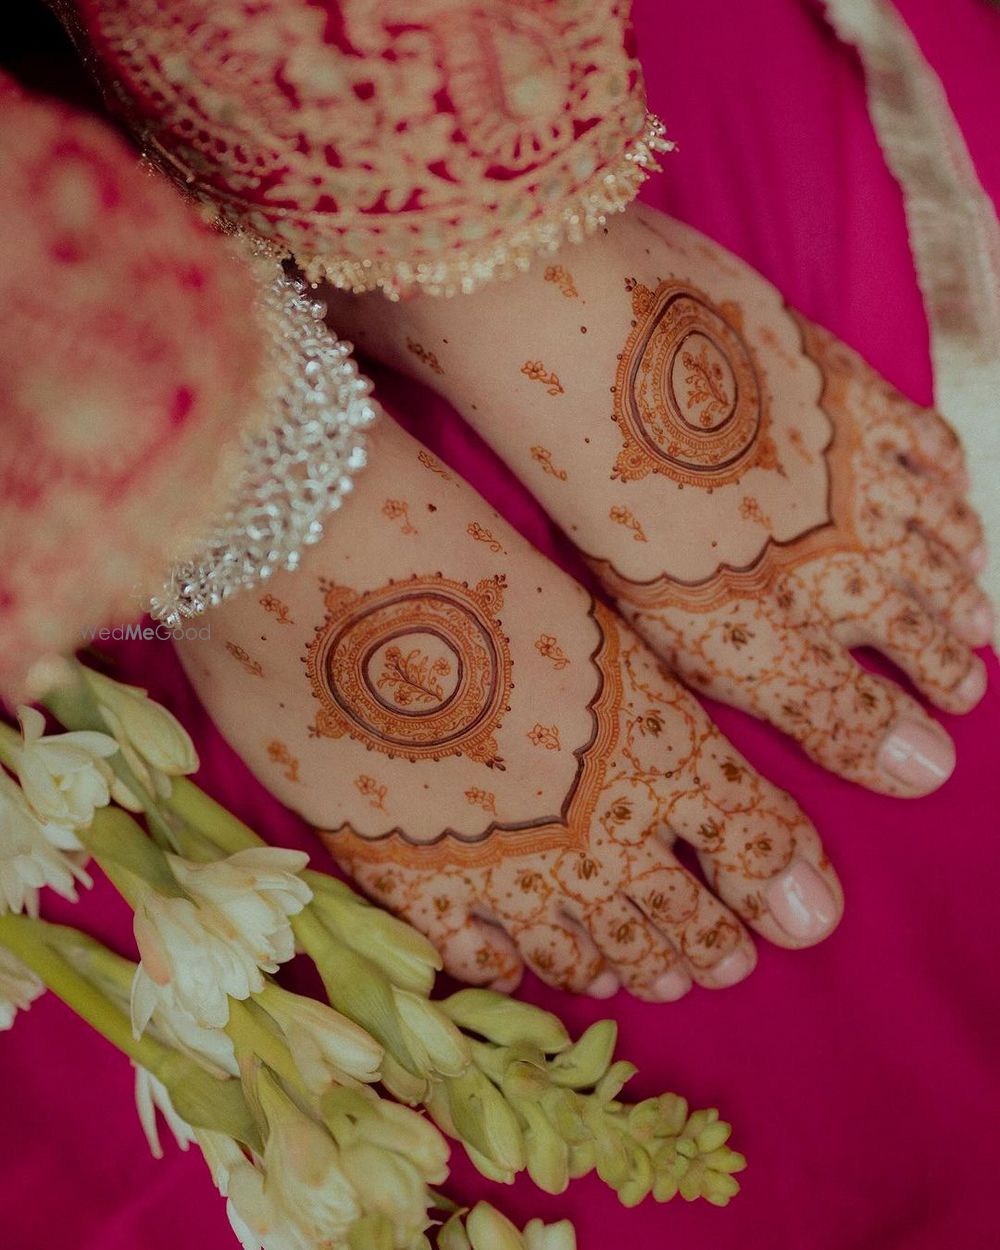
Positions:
{"x": 482, "y": 798}
{"x": 279, "y": 753}
{"x": 563, "y": 279}
{"x": 536, "y": 371}
{"x": 369, "y": 788}
{"x": 733, "y": 771}
{"x": 624, "y": 516}
{"x": 394, "y": 509}
{"x": 424, "y": 356}
{"x": 528, "y": 882}
{"x": 482, "y": 535}
{"x": 651, "y": 723}
{"x": 435, "y": 466}
{"x": 253, "y": 667}
{"x": 620, "y": 811}
{"x": 736, "y": 635}
{"x": 270, "y": 603}
{"x": 542, "y": 455}
{"x": 546, "y": 736}
{"x": 547, "y": 646}
{"x": 750, "y": 510}
{"x": 585, "y": 868}
{"x": 710, "y": 832}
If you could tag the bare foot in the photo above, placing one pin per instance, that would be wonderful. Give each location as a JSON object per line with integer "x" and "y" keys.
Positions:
{"x": 756, "y": 498}
{"x": 501, "y": 759}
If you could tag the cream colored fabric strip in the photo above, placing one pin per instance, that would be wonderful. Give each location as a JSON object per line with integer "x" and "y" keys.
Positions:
{"x": 954, "y": 237}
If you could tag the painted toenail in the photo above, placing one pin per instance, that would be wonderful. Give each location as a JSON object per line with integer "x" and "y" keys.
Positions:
{"x": 671, "y": 986}
{"x": 603, "y": 986}
{"x": 973, "y": 685}
{"x": 801, "y": 903}
{"x": 982, "y": 624}
{"x": 978, "y": 558}
{"x": 918, "y": 756}
{"x": 737, "y": 965}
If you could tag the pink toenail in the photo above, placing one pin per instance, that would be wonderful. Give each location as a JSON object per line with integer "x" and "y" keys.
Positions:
{"x": 737, "y": 965}
{"x": 671, "y": 986}
{"x": 603, "y": 986}
{"x": 801, "y": 903}
{"x": 982, "y": 624}
{"x": 972, "y": 686}
{"x": 978, "y": 558}
{"x": 918, "y": 756}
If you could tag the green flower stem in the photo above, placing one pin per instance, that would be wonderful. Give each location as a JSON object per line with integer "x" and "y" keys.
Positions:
{"x": 210, "y": 818}
{"x": 251, "y": 1036}
{"x": 127, "y": 855}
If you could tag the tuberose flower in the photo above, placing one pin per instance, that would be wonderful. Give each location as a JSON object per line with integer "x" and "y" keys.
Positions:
{"x": 31, "y": 854}
{"x": 328, "y": 1049}
{"x": 64, "y": 776}
{"x": 219, "y": 940}
{"x": 151, "y": 1095}
{"x": 154, "y": 743}
{"x": 296, "y": 1196}
{"x": 19, "y": 987}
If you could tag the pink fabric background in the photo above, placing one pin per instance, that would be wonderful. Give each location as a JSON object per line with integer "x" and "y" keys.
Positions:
{"x": 861, "y": 1076}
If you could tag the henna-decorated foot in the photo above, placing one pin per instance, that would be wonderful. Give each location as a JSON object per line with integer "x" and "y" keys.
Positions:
{"x": 500, "y": 759}
{"x": 757, "y": 500}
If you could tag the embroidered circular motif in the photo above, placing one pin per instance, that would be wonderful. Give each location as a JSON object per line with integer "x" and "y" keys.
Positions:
{"x": 689, "y": 396}
{"x": 419, "y": 669}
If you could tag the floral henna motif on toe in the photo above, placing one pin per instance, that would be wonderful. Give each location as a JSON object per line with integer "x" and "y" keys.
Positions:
{"x": 418, "y": 669}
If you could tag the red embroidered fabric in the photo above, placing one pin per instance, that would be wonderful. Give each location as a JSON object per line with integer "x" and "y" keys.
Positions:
{"x": 382, "y": 142}
{"x": 129, "y": 360}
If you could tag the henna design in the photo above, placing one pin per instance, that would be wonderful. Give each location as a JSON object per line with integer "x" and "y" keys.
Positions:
{"x": 280, "y": 610}
{"x": 279, "y": 753}
{"x": 750, "y": 510}
{"x": 418, "y": 669}
{"x": 653, "y": 762}
{"x": 253, "y": 667}
{"x": 623, "y": 516}
{"x": 766, "y": 634}
{"x": 689, "y": 397}
{"x": 424, "y": 356}
{"x": 482, "y": 798}
{"x": 482, "y": 535}
{"x": 435, "y": 466}
{"x": 536, "y": 371}
{"x": 542, "y": 456}
{"x": 369, "y": 788}
{"x": 563, "y": 280}
{"x": 396, "y": 509}
{"x": 546, "y": 736}
{"x": 547, "y": 646}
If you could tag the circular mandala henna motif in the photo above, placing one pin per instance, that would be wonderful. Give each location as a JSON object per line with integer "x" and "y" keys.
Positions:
{"x": 419, "y": 669}
{"x": 689, "y": 396}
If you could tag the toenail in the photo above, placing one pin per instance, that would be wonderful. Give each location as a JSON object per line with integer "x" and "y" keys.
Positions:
{"x": 737, "y": 965}
{"x": 978, "y": 558}
{"x": 982, "y": 623}
{"x": 603, "y": 986}
{"x": 972, "y": 686}
{"x": 801, "y": 903}
{"x": 918, "y": 756}
{"x": 671, "y": 986}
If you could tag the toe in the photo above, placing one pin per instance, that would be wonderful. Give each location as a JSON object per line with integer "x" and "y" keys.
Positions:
{"x": 926, "y": 444}
{"x": 943, "y": 584}
{"x": 644, "y": 962}
{"x": 763, "y": 857}
{"x": 715, "y": 947}
{"x": 562, "y": 954}
{"x": 943, "y": 513}
{"x": 480, "y": 953}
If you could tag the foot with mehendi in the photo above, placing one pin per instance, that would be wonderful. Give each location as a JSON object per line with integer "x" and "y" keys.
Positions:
{"x": 757, "y": 500}
{"x": 501, "y": 759}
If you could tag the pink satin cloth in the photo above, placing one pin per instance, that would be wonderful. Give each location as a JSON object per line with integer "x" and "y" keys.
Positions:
{"x": 861, "y": 1076}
